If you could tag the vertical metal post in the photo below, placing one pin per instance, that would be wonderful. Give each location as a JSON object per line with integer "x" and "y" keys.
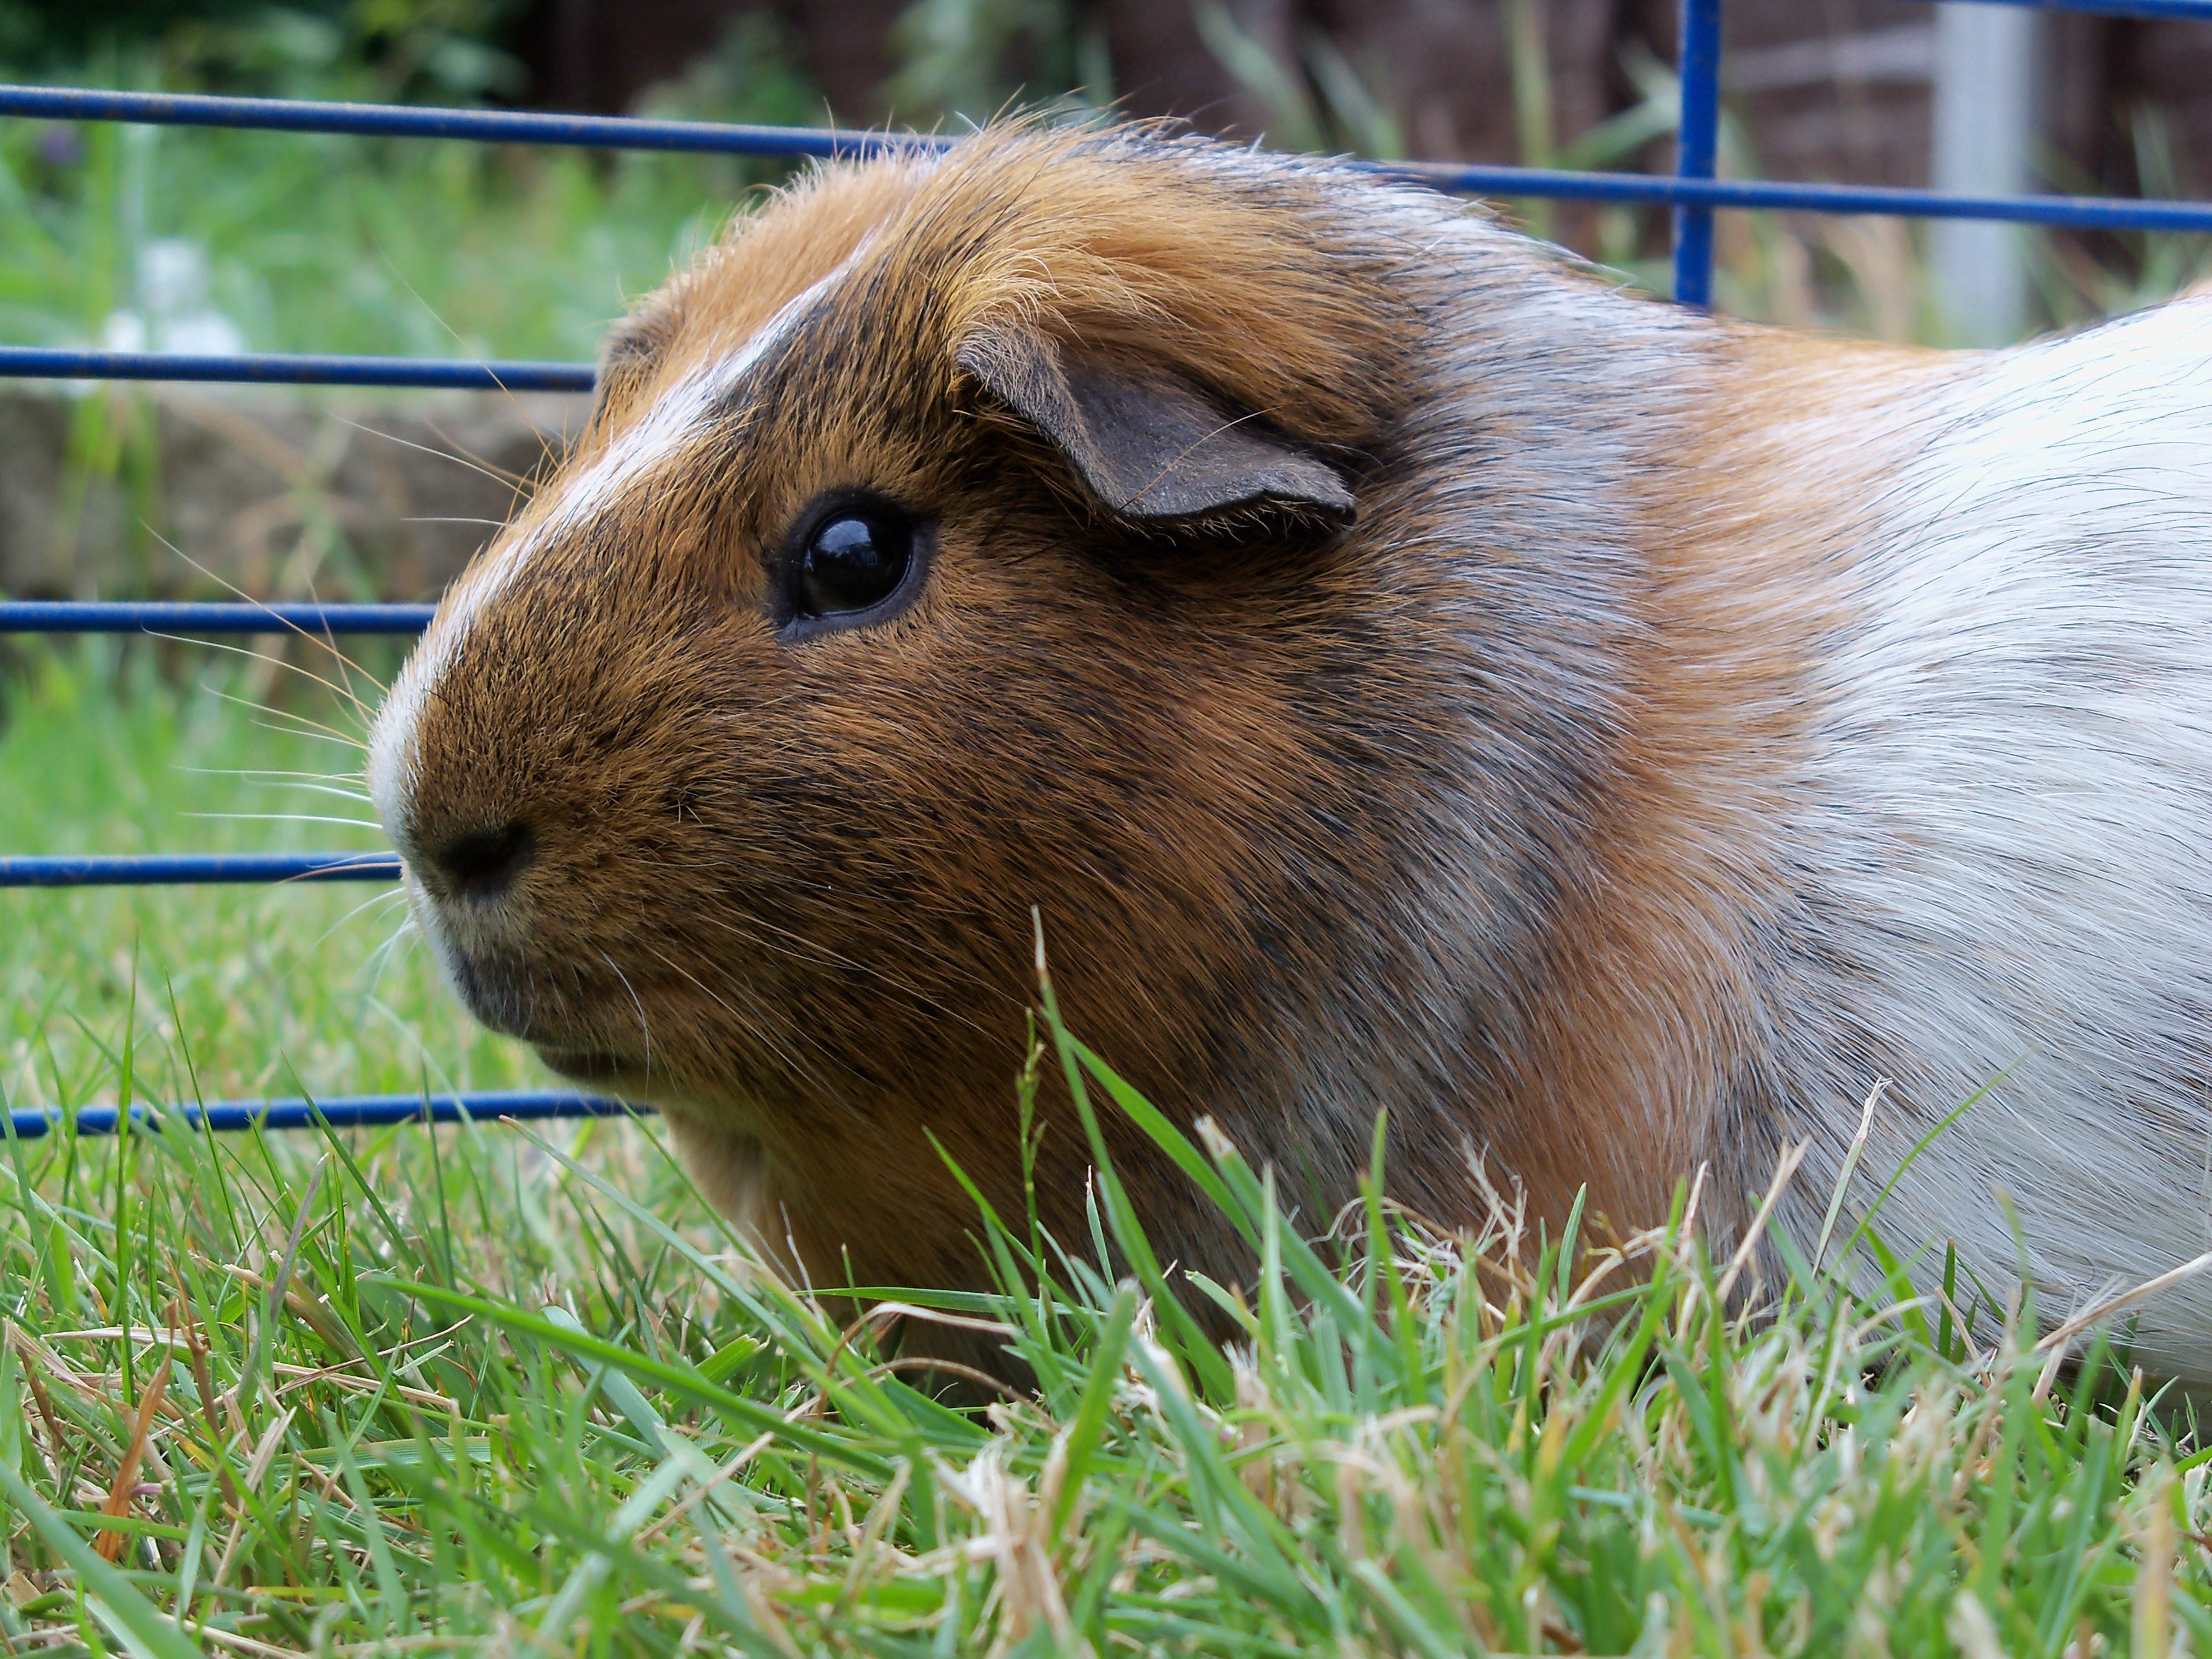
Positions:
{"x": 1988, "y": 68}
{"x": 1697, "y": 149}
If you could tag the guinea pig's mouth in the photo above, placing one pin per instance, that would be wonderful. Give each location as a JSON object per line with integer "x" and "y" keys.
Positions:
{"x": 503, "y": 987}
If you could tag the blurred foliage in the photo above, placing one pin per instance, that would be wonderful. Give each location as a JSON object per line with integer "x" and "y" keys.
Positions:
{"x": 2078, "y": 278}
{"x": 969, "y": 60}
{"x": 428, "y": 51}
{"x": 751, "y": 74}
{"x": 314, "y": 242}
{"x": 1322, "y": 101}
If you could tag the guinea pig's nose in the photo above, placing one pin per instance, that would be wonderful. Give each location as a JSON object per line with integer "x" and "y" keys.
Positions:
{"x": 483, "y": 864}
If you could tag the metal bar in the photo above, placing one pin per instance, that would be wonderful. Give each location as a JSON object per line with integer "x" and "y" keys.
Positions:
{"x": 177, "y": 109}
{"x": 182, "y": 869}
{"x": 293, "y": 368}
{"x": 1983, "y": 137}
{"x": 165, "y": 617}
{"x": 1661, "y": 189}
{"x": 339, "y": 1111}
{"x": 1697, "y": 150}
{"x": 2198, "y": 11}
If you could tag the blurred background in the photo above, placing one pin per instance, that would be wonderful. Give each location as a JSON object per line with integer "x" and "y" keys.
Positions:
{"x": 199, "y": 241}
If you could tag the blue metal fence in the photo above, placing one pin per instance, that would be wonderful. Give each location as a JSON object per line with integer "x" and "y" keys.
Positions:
{"x": 1693, "y": 192}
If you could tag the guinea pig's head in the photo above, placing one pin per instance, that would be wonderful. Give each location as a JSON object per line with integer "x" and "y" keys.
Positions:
{"x": 961, "y": 535}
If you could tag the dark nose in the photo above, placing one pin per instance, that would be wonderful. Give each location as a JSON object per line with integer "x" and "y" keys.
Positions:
{"x": 483, "y": 864}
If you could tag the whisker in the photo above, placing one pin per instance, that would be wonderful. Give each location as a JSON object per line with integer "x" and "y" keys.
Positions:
{"x": 759, "y": 1029}
{"x": 258, "y": 773}
{"x": 369, "y": 903}
{"x": 820, "y": 955}
{"x": 320, "y": 783}
{"x": 524, "y": 482}
{"x": 380, "y": 958}
{"x": 437, "y": 317}
{"x": 324, "y": 639}
{"x": 313, "y": 788}
{"x": 644, "y": 1026}
{"x": 549, "y": 458}
{"x": 287, "y": 818}
{"x": 311, "y": 728}
{"x": 346, "y": 671}
{"x": 345, "y": 691}
{"x": 320, "y": 737}
{"x": 497, "y": 475}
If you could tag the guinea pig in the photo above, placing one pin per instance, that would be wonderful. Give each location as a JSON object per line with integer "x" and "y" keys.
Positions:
{"x": 1403, "y": 670}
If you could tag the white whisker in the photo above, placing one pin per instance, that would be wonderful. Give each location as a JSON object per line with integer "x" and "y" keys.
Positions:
{"x": 369, "y": 903}
{"x": 431, "y": 311}
{"x": 644, "y": 1027}
{"x": 324, "y": 639}
{"x": 331, "y": 686}
{"x": 268, "y": 777}
{"x": 380, "y": 958}
{"x": 294, "y": 732}
{"x": 497, "y": 475}
{"x": 311, "y": 728}
{"x": 329, "y": 789}
{"x": 288, "y": 818}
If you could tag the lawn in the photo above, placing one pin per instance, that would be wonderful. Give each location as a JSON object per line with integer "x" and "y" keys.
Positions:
{"x": 488, "y": 1388}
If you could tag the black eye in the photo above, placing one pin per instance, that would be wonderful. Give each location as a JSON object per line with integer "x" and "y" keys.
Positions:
{"x": 853, "y": 559}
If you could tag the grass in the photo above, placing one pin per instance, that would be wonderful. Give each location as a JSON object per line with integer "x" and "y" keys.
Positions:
{"x": 486, "y": 1389}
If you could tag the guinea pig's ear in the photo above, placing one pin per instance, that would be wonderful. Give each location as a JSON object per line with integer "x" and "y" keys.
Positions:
{"x": 632, "y": 350}
{"x": 1149, "y": 444}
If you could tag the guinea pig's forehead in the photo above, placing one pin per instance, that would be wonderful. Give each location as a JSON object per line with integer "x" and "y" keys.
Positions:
{"x": 797, "y": 247}
{"x": 696, "y": 393}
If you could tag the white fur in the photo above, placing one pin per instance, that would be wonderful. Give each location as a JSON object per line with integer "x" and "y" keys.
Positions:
{"x": 2008, "y": 826}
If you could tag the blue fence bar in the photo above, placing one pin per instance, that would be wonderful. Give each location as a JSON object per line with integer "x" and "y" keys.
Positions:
{"x": 195, "y": 869}
{"x": 176, "y": 616}
{"x": 292, "y": 368}
{"x": 2079, "y": 212}
{"x": 1664, "y": 190}
{"x": 1697, "y": 147}
{"x": 2198, "y": 11}
{"x": 339, "y": 1111}
{"x": 177, "y": 109}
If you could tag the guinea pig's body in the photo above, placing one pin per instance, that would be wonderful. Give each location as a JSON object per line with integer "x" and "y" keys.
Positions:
{"x": 1405, "y": 672}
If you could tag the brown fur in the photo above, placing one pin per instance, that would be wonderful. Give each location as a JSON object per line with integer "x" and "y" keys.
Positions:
{"x": 1657, "y": 1022}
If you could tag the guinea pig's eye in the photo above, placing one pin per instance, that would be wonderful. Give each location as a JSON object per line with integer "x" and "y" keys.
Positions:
{"x": 854, "y": 558}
